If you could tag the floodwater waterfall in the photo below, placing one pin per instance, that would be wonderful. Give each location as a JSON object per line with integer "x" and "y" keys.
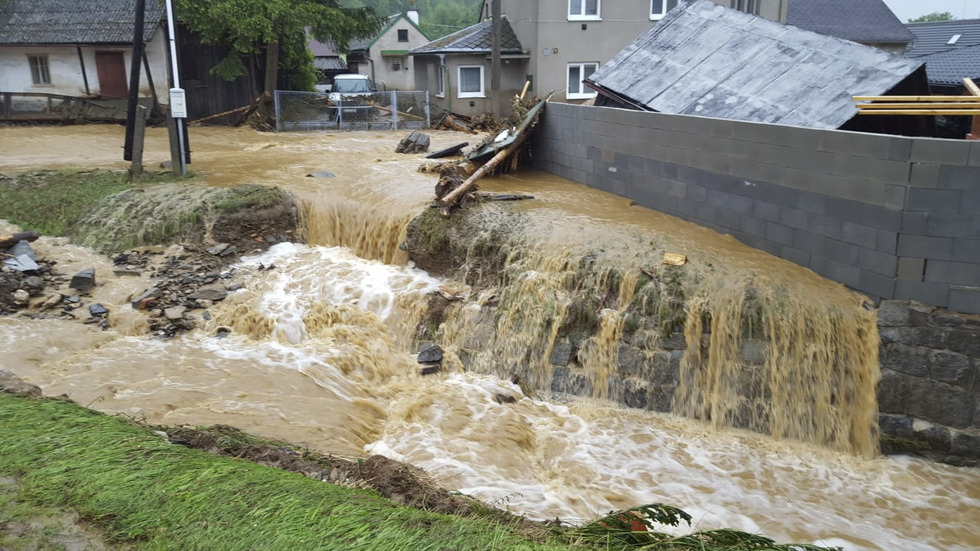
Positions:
{"x": 322, "y": 336}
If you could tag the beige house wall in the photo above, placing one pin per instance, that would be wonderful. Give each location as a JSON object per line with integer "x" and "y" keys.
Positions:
{"x": 379, "y": 66}
{"x": 554, "y": 38}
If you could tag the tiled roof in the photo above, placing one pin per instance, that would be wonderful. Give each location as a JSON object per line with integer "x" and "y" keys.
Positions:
{"x": 37, "y": 22}
{"x": 934, "y": 36}
{"x": 951, "y": 67}
{"x": 864, "y": 21}
{"x": 329, "y": 63}
{"x": 475, "y": 39}
{"x": 703, "y": 59}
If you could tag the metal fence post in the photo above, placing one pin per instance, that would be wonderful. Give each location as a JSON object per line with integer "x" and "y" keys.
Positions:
{"x": 394, "y": 110}
{"x": 278, "y": 112}
{"x": 428, "y": 116}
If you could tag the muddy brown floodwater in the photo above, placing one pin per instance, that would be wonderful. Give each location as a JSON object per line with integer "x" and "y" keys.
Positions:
{"x": 320, "y": 354}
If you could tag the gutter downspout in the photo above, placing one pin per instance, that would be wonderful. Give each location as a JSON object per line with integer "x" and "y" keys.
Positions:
{"x": 444, "y": 69}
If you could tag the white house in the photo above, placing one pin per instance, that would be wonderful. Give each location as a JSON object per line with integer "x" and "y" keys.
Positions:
{"x": 51, "y": 48}
{"x": 384, "y": 57}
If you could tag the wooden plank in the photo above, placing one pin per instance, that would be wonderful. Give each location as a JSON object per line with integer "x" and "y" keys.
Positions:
{"x": 914, "y": 98}
{"x": 971, "y": 87}
{"x": 920, "y": 112}
{"x": 914, "y": 105}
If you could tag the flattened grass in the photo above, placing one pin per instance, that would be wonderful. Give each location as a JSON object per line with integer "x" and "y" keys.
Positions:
{"x": 49, "y": 201}
{"x": 146, "y": 492}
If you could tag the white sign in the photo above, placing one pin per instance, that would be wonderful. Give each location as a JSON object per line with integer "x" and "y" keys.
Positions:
{"x": 178, "y": 103}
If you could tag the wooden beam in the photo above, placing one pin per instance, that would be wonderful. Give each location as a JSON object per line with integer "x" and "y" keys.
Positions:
{"x": 914, "y": 98}
{"x": 920, "y": 112}
{"x": 971, "y": 87}
{"x": 915, "y": 105}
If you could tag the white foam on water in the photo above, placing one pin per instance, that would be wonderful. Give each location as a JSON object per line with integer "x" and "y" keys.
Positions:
{"x": 581, "y": 461}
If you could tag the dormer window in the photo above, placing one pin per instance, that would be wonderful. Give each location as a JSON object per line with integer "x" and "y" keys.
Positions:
{"x": 583, "y": 10}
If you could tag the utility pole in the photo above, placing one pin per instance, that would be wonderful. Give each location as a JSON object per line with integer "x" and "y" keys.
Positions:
{"x": 495, "y": 56}
{"x": 134, "y": 80}
{"x": 178, "y": 103}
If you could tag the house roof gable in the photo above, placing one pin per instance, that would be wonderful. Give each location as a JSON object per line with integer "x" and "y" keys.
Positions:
{"x": 59, "y": 22}
{"x": 704, "y": 59}
{"x": 366, "y": 43}
{"x": 474, "y": 39}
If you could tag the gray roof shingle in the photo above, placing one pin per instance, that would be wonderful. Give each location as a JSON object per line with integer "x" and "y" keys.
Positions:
{"x": 703, "y": 59}
{"x": 949, "y": 68}
{"x": 864, "y": 21}
{"x": 934, "y": 36}
{"x": 41, "y": 22}
{"x": 474, "y": 39}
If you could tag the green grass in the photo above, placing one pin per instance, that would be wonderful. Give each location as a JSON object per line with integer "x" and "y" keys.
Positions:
{"x": 143, "y": 491}
{"x": 50, "y": 201}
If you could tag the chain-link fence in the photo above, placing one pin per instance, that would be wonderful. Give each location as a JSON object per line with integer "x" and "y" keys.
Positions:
{"x": 395, "y": 110}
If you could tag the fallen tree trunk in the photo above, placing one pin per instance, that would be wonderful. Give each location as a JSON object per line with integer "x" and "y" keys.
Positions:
{"x": 488, "y": 166}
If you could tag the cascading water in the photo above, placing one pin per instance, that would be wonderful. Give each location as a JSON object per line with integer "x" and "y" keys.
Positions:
{"x": 320, "y": 354}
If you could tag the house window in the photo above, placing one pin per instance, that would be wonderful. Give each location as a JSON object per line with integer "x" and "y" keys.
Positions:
{"x": 39, "y": 69}
{"x": 471, "y": 81}
{"x": 577, "y": 72}
{"x": 403, "y": 35}
{"x": 583, "y": 9}
{"x": 442, "y": 82}
{"x": 659, "y": 8}
{"x": 396, "y": 63}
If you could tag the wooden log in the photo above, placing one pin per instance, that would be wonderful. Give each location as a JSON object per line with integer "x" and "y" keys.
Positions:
{"x": 7, "y": 241}
{"x": 451, "y": 198}
{"x": 400, "y": 113}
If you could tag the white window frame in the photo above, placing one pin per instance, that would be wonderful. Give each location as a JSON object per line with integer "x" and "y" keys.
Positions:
{"x": 459, "y": 83}
{"x": 441, "y": 72}
{"x": 581, "y": 68}
{"x": 581, "y": 15}
{"x": 659, "y": 8}
{"x": 40, "y": 67}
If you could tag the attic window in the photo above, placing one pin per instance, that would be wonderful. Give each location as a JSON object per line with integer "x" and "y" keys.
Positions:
{"x": 403, "y": 35}
{"x": 954, "y": 39}
{"x": 39, "y": 69}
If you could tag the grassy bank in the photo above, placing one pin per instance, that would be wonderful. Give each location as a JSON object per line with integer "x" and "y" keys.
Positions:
{"x": 144, "y": 491}
{"x": 107, "y": 211}
{"x": 49, "y": 201}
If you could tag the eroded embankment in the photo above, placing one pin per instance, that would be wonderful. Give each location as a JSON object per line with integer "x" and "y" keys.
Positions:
{"x": 743, "y": 349}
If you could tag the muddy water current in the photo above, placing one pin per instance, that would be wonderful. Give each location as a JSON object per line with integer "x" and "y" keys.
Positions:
{"x": 320, "y": 354}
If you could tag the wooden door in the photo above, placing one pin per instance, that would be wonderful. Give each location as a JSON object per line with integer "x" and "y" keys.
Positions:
{"x": 111, "y": 67}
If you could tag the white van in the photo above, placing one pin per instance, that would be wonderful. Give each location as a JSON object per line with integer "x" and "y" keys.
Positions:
{"x": 352, "y": 93}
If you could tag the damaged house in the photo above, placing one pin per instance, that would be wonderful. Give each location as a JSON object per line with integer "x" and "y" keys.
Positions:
{"x": 707, "y": 60}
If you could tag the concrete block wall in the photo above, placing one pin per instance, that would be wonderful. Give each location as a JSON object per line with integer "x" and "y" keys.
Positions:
{"x": 890, "y": 216}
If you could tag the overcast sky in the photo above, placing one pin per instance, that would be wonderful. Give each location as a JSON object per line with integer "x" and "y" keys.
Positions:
{"x": 910, "y": 9}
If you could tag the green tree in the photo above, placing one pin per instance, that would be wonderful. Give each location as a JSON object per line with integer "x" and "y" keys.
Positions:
{"x": 437, "y": 18}
{"x": 277, "y": 27}
{"x": 934, "y": 16}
